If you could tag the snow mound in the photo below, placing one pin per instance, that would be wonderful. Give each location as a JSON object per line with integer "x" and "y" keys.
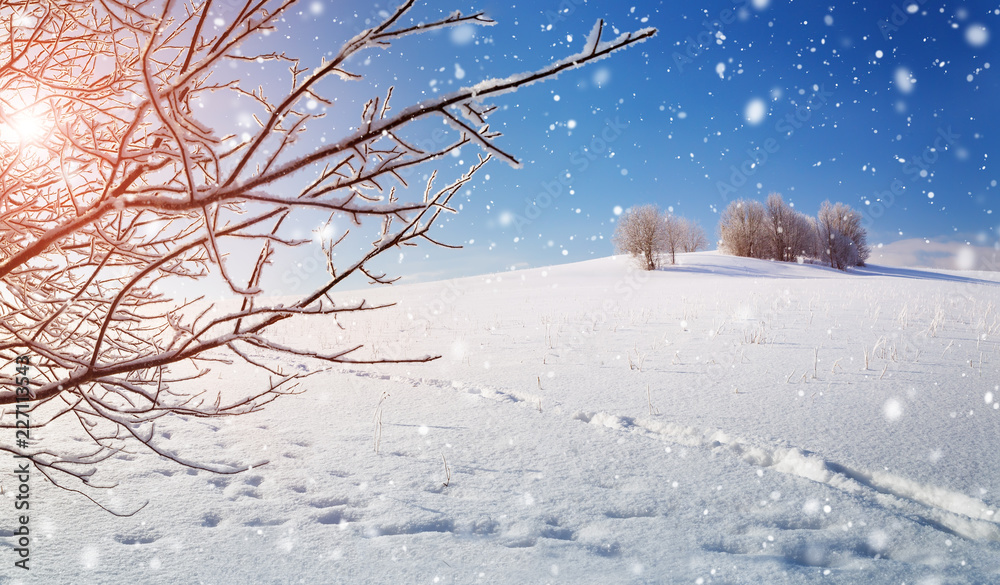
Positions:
{"x": 727, "y": 420}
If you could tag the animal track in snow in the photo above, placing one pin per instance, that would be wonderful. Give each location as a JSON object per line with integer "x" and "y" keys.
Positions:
{"x": 211, "y": 520}
{"x": 946, "y": 510}
{"x": 254, "y": 480}
{"x": 416, "y": 526}
{"x": 328, "y": 503}
{"x": 620, "y": 514}
{"x": 484, "y": 391}
{"x": 949, "y": 511}
{"x": 257, "y": 522}
{"x": 335, "y": 517}
{"x": 557, "y": 533}
{"x": 143, "y": 538}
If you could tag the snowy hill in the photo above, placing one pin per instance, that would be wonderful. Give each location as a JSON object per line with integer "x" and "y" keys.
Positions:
{"x": 725, "y": 420}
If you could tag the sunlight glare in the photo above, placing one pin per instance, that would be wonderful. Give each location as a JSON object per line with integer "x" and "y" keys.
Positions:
{"x": 23, "y": 126}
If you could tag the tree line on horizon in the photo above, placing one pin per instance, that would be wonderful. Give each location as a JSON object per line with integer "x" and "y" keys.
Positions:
{"x": 644, "y": 232}
{"x": 772, "y": 230}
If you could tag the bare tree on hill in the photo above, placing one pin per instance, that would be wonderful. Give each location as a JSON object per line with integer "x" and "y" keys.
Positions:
{"x": 778, "y": 219}
{"x": 843, "y": 240}
{"x": 641, "y": 233}
{"x": 646, "y": 233}
{"x": 694, "y": 237}
{"x": 742, "y": 229}
{"x": 674, "y": 235}
{"x": 116, "y": 186}
{"x": 791, "y": 234}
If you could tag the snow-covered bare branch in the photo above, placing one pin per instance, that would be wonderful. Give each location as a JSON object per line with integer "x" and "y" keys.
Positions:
{"x": 125, "y": 192}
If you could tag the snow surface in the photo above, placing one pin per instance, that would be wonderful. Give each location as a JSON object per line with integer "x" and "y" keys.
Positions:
{"x": 712, "y": 422}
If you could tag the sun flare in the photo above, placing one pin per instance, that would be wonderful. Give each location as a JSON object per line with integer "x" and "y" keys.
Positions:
{"x": 21, "y": 120}
{"x": 24, "y": 126}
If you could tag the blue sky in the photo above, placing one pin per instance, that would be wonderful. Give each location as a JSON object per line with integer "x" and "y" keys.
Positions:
{"x": 888, "y": 107}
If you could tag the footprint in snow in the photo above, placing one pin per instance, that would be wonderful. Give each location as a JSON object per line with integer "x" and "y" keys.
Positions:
{"x": 556, "y": 533}
{"x": 245, "y": 491}
{"x": 631, "y": 513}
{"x": 606, "y": 549}
{"x": 211, "y": 520}
{"x": 520, "y": 542}
{"x": 254, "y": 480}
{"x": 794, "y": 551}
{"x": 257, "y": 522}
{"x": 334, "y": 517}
{"x": 413, "y": 527}
{"x": 328, "y": 503}
{"x": 136, "y": 539}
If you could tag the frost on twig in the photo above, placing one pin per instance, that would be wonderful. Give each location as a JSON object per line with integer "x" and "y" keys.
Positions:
{"x": 119, "y": 192}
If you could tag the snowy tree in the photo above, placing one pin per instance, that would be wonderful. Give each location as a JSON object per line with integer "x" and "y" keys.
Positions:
{"x": 642, "y": 233}
{"x": 843, "y": 241}
{"x": 674, "y": 235}
{"x": 803, "y": 241}
{"x": 742, "y": 229}
{"x": 778, "y": 219}
{"x": 694, "y": 237}
{"x": 790, "y": 234}
{"x": 118, "y": 187}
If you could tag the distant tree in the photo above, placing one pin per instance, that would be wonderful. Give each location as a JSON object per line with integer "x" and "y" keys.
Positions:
{"x": 858, "y": 234}
{"x": 803, "y": 241}
{"x": 694, "y": 237}
{"x": 790, "y": 234}
{"x": 778, "y": 220}
{"x": 843, "y": 241}
{"x": 742, "y": 229}
{"x": 642, "y": 234}
{"x": 675, "y": 234}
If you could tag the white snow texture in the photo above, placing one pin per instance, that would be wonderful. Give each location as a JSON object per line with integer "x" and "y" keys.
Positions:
{"x": 726, "y": 420}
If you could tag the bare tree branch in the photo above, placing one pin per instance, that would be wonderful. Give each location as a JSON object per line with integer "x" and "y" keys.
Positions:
{"x": 117, "y": 188}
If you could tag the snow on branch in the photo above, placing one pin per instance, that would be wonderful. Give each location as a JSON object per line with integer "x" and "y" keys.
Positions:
{"x": 119, "y": 191}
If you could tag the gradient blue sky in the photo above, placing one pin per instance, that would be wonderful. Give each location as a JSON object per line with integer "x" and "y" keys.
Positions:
{"x": 882, "y": 91}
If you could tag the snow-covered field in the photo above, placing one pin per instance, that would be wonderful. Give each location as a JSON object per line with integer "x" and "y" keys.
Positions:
{"x": 723, "y": 421}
